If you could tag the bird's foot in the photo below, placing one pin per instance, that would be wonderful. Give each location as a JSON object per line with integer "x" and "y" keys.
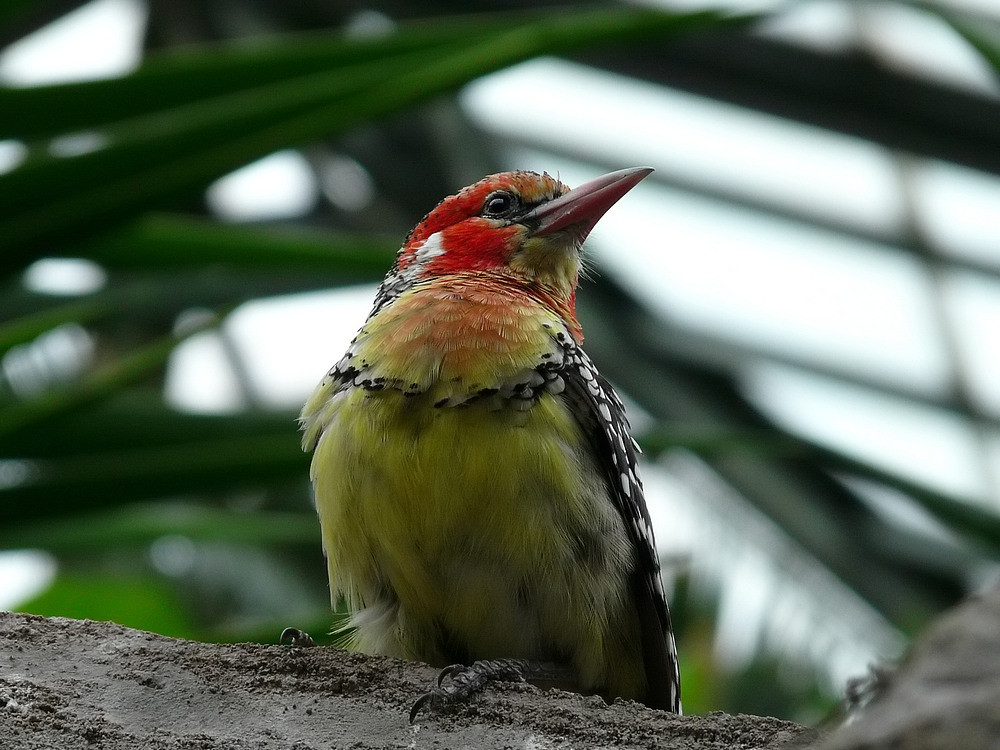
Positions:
{"x": 465, "y": 681}
{"x": 468, "y": 680}
{"x": 296, "y": 637}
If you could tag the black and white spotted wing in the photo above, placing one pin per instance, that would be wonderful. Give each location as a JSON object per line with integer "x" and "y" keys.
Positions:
{"x": 601, "y": 414}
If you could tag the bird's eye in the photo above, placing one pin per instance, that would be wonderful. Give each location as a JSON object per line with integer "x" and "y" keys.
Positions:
{"x": 500, "y": 205}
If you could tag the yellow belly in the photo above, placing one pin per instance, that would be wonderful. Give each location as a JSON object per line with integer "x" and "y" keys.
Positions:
{"x": 464, "y": 533}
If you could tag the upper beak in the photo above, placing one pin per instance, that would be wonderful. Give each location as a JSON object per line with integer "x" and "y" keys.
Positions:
{"x": 582, "y": 207}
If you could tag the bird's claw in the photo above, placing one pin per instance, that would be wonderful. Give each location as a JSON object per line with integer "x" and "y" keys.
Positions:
{"x": 419, "y": 703}
{"x": 467, "y": 680}
{"x": 441, "y": 695}
{"x": 450, "y": 671}
{"x": 296, "y": 637}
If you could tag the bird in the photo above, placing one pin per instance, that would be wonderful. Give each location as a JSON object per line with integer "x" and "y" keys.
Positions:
{"x": 474, "y": 475}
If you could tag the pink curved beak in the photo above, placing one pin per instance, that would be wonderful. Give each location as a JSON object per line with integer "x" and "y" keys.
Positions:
{"x": 582, "y": 207}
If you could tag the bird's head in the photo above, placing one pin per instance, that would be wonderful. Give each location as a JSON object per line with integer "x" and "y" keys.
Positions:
{"x": 523, "y": 225}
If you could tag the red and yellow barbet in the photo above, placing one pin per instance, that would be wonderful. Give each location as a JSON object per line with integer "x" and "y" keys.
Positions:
{"x": 474, "y": 474}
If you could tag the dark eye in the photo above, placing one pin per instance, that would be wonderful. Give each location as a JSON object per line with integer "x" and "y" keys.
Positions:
{"x": 500, "y": 205}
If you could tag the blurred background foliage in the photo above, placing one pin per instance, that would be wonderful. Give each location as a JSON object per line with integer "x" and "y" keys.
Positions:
{"x": 201, "y": 525}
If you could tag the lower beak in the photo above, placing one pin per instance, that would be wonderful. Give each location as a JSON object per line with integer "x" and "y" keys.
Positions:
{"x": 581, "y": 208}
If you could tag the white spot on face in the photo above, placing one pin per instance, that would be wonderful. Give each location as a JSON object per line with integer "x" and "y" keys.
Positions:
{"x": 430, "y": 249}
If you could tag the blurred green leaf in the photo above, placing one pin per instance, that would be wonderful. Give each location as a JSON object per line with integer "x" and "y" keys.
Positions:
{"x": 29, "y": 327}
{"x": 101, "y": 383}
{"x": 79, "y": 483}
{"x": 11, "y": 9}
{"x": 140, "y": 419}
{"x": 184, "y": 75}
{"x": 162, "y": 241}
{"x": 139, "y": 525}
{"x": 154, "y": 157}
{"x": 978, "y": 524}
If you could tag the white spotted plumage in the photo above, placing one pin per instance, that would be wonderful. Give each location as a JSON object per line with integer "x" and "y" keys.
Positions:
{"x": 612, "y": 440}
